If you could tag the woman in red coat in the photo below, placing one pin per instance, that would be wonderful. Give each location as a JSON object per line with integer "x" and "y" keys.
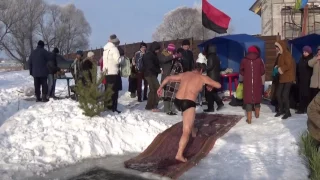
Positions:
{"x": 252, "y": 69}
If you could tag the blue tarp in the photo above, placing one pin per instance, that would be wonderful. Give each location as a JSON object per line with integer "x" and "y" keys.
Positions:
{"x": 296, "y": 45}
{"x": 232, "y": 48}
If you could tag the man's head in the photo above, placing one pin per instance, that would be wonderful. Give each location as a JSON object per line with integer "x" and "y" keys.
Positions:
{"x": 171, "y": 48}
{"x": 114, "y": 39}
{"x": 41, "y": 44}
{"x": 186, "y": 44}
{"x": 79, "y": 54}
{"x": 155, "y": 47}
{"x": 199, "y": 68}
{"x": 143, "y": 47}
{"x": 56, "y": 50}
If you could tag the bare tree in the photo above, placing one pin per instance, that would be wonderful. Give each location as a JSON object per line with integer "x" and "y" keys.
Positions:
{"x": 23, "y": 35}
{"x": 65, "y": 27}
{"x": 183, "y": 22}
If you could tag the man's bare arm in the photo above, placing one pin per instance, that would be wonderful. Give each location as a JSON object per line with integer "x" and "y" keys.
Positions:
{"x": 173, "y": 78}
{"x": 210, "y": 82}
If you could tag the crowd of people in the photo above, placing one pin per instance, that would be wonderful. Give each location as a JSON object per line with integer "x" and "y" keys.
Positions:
{"x": 149, "y": 62}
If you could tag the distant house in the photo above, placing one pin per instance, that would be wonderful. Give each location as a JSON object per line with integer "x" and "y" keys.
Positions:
{"x": 279, "y": 17}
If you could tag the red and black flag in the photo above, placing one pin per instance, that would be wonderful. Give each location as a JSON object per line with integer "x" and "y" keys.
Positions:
{"x": 214, "y": 19}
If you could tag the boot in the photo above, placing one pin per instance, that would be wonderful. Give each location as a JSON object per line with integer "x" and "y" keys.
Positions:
{"x": 286, "y": 115}
{"x": 45, "y": 99}
{"x": 257, "y": 112}
{"x": 249, "y": 117}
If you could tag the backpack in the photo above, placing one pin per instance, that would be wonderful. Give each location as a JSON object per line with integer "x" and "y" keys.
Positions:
{"x": 139, "y": 61}
{"x": 125, "y": 68}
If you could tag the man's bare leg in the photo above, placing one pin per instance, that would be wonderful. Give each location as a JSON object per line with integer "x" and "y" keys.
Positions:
{"x": 188, "y": 120}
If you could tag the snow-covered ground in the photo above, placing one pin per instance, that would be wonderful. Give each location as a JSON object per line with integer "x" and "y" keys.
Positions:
{"x": 55, "y": 139}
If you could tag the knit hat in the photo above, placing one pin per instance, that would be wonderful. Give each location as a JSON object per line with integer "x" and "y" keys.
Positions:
{"x": 171, "y": 47}
{"x": 90, "y": 54}
{"x": 114, "y": 39}
{"x": 253, "y": 49}
{"x": 142, "y": 44}
{"x": 41, "y": 43}
{"x": 307, "y": 49}
{"x": 79, "y": 52}
{"x": 185, "y": 42}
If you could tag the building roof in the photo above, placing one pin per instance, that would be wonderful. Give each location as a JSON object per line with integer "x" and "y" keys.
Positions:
{"x": 256, "y": 7}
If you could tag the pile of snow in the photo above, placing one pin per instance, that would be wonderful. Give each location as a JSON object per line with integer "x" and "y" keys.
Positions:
{"x": 39, "y": 137}
{"x": 57, "y": 133}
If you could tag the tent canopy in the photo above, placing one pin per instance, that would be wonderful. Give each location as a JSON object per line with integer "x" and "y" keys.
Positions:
{"x": 312, "y": 40}
{"x": 232, "y": 48}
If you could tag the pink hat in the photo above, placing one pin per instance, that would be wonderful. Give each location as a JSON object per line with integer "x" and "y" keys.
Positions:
{"x": 171, "y": 47}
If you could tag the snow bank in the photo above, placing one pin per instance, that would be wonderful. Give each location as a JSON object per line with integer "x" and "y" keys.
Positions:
{"x": 56, "y": 133}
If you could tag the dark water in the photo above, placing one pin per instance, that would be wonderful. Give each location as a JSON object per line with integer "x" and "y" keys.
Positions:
{"x": 103, "y": 174}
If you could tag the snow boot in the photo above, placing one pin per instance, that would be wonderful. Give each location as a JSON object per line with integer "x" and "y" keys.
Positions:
{"x": 257, "y": 112}
{"x": 249, "y": 117}
{"x": 286, "y": 115}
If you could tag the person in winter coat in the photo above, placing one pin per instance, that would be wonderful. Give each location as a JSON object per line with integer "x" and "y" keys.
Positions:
{"x": 151, "y": 71}
{"x": 252, "y": 71}
{"x": 313, "y": 118}
{"x": 174, "y": 69}
{"x": 132, "y": 80}
{"x": 76, "y": 66}
{"x": 111, "y": 65}
{"x": 187, "y": 60}
{"x": 88, "y": 64}
{"x": 38, "y": 65}
{"x": 213, "y": 71}
{"x": 286, "y": 69}
{"x": 166, "y": 59}
{"x": 315, "y": 78}
{"x": 202, "y": 60}
{"x": 53, "y": 69}
{"x": 138, "y": 64}
{"x": 304, "y": 73}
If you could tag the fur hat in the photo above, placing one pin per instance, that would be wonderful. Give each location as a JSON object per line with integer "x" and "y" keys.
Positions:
{"x": 90, "y": 54}
{"x": 185, "y": 42}
{"x": 114, "y": 39}
{"x": 201, "y": 59}
{"x": 171, "y": 47}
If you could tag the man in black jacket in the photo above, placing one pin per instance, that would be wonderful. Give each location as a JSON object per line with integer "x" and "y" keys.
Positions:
{"x": 151, "y": 68}
{"x": 213, "y": 71}
{"x": 187, "y": 56}
{"x": 53, "y": 69}
{"x": 38, "y": 62}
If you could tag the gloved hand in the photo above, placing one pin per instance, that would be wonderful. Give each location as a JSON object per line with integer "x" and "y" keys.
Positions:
{"x": 275, "y": 71}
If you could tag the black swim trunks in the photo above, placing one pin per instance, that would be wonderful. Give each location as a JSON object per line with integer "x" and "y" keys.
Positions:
{"x": 184, "y": 104}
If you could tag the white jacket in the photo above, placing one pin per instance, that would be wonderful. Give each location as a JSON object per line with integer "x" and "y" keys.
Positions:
{"x": 111, "y": 57}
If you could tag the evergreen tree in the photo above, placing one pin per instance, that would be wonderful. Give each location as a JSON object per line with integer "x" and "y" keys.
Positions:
{"x": 90, "y": 96}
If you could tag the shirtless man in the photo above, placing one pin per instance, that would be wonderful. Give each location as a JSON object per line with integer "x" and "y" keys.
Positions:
{"x": 191, "y": 84}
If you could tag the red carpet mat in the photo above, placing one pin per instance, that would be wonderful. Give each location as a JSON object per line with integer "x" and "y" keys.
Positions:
{"x": 159, "y": 157}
